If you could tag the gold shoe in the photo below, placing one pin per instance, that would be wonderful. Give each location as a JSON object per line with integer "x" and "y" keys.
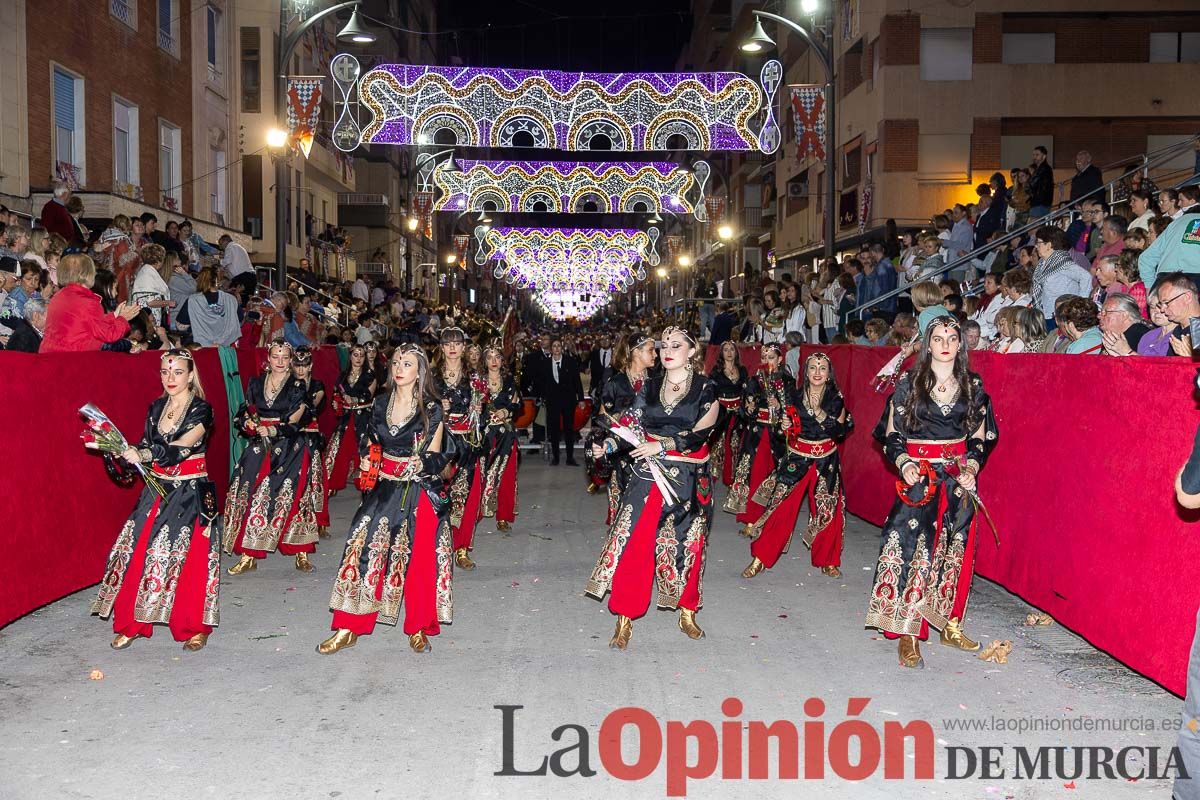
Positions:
{"x": 341, "y": 639}
{"x": 745, "y": 530}
{"x": 462, "y": 560}
{"x": 302, "y": 562}
{"x": 622, "y": 634}
{"x": 122, "y": 641}
{"x": 420, "y": 643}
{"x": 246, "y": 564}
{"x": 910, "y": 653}
{"x": 503, "y": 525}
{"x": 592, "y": 488}
{"x": 687, "y": 624}
{"x": 323, "y": 532}
{"x": 953, "y": 636}
{"x": 756, "y": 566}
{"x": 195, "y": 643}
{"x": 832, "y": 572}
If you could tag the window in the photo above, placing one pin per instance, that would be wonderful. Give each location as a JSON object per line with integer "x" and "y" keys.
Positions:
{"x": 1028, "y": 48}
{"x": 214, "y": 36}
{"x": 170, "y": 165}
{"x": 216, "y": 191}
{"x": 1017, "y": 151}
{"x": 168, "y": 26}
{"x": 944, "y": 158}
{"x": 946, "y": 54}
{"x": 1183, "y": 162}
{"x": 251, "y": 71}
{"x": 68, "y": 121}
{"x": 1173, "y": 47}
{"x": 125, "y": 142}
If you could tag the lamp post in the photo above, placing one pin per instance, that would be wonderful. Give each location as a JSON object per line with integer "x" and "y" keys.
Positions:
{"x": 353, "y": 32}
{"x": 759, "y": 41}
{"x": 412, "y": 224}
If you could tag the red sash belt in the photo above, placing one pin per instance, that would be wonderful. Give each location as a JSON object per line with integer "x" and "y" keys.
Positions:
{"x": 394, "y": 467}
{"x": 694, "y": 457}
{"x": 812, "y": 449}
{"x": 729, "y": 402}
{"x": 268, "y": 423}
{"x": 460, "y": 423}
{"x": 938, "y": 451}
{"x": 192, "y": 467}
{"x": 764, "y": 415}
{"x": 311, "y": 428}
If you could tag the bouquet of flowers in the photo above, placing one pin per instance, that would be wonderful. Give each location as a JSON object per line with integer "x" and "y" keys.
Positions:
{"x": 775, "y": 387}
{"x": 885, "y": 380}
{"x": 480, "y": 396}
{"x": 251, "y": 418}
{"x": 101, "y": 434}
{"x": 629, "y": 427}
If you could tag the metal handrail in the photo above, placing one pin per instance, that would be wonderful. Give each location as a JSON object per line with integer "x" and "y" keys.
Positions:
{"x": 1163, "y": 154}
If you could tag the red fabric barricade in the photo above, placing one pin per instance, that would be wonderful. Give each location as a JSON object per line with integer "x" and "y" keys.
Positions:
{"x": 1080, "y": 486}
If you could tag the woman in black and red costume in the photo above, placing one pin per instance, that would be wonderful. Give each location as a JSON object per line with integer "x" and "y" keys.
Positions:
{"x": 501, "y": 456}
{"x": 452, "y": 382}
{"x": 762, "y": 445}
{"x": 164, "y": 567}
{"x": 656, "y": 542}
{"x": 814, "y": 423}
{"x": 633, "y": 359}
{"x": 352, "y": 404}
{"x": 316, "y": 495}
{"x": 398, "y": 548}
{"x": 730, "y": 378}
{"x": 938, "y": 429}
{"x": 264, "y": 509}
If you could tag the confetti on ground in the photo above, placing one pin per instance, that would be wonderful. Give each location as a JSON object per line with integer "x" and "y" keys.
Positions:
{"x": 96, "y": 675}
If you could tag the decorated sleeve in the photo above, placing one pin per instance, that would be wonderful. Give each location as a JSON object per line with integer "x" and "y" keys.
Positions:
{"x": 751, "y": 397}
{"x": 982, "y": 440}
{"x": 378, "y": 423}
{"x": 890, "y": 431}
{"x": 169, "y": 454}
{"x": 835, "y": 426}
{"x": 694, "y": 438}
{"x": 297, "y": 397}
{"x": 315, "y": 389}
{"x": 432, "y": 463}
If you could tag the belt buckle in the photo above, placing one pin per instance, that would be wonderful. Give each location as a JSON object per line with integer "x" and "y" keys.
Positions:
{"x": 818, "y": 449}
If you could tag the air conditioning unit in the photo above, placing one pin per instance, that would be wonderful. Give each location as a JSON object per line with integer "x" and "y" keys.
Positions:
{"x": 797, "y": 190}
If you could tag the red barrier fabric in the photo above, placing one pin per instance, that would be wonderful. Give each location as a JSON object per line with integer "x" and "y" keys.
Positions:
{"x": 61, "y": 513}
{"x": 1080, "y": 486}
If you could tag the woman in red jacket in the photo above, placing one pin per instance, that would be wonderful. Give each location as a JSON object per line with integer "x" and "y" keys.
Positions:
{"x": 75, "y": 321}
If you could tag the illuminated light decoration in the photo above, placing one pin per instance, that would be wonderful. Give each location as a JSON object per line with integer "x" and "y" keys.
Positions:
{"x": 461, "y": 242}
{"x": 715, "y": 208}
{"x": 568, "y": 305}
{"x": 345, "y": 70}
{"x": 568, "y": 187}
{"x": 487, "y": 107}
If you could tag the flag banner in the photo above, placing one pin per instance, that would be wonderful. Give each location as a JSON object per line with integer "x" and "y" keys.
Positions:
{"x": 808, "y": 118}
{"x": 303, "y": 110}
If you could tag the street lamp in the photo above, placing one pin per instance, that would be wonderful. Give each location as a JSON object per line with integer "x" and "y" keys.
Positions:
{"x": 758, "y": 41}
{"x": 412, "y": 223}
{"x": 353, "y": 32}
{"x": 684, "y": 261}
{"x": 725, "y": 232}
{"x": 451, "y": 258}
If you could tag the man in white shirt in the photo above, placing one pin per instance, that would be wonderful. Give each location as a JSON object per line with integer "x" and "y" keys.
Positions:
{"x": 235, "y": 261}
{"x": 600, "y": 363}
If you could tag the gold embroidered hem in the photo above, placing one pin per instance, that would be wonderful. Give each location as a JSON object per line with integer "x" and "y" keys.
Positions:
{"x": 739, "y": 493}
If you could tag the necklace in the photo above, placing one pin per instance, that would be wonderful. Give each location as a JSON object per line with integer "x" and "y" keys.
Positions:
{"x": 394, "y": 428}
{"x": 676, "y": 386}
{"x": 676, "y": 398}
{"x": 272, "y": 395}
{"x": 171, "y": 412}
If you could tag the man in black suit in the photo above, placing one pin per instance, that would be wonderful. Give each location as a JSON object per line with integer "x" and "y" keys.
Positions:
{"x": 531, "y": 379}
{"x": 562, "y": 390}
{"x": 600, "y": 364}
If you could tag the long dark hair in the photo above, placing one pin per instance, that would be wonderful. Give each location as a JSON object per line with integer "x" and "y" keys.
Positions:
{"x": 623, "y": 352}
{"x": 830, "y": 388}
{"x": 920, "y": 395}
{"x": 424, "y": 393}
{"x": 719, "y": 365}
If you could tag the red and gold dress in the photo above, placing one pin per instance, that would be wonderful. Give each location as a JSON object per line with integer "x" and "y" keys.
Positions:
{"x": 352, "y": 404}
{"x": 501, "y": 455}
{"x": 727, "y": 435}
{"x": 762, "y": 446}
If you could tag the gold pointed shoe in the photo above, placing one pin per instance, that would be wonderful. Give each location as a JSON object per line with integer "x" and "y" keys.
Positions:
{"x": 302, "y": 562}
{"x": 622, "y": 634}
{"x": 910, "y": 653}
{"x": 832, "y": 572}
{"x": 195, "y": 643}
{"x": 323, "y": 532}
{"x": 745, "y": 530}
{"x": 463, "y": 560}
{"x": 592, "y": 488}
{"x": 420, "y": 643}
{"x": 756, "y": 566}
{"x": 953, "y": 636}
{"x": 122, "y": 641}
{"x": 687, "y": 624}
{"x": 504, "y": 526}
{"x": 246, "y": 564}
{"x": 341, "y": 639}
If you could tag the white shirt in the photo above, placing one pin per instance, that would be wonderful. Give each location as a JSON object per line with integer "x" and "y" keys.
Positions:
{"x": 605, "y": 357}
{"x": 360, "y": 291}
{"x": 235, "y": 260}
{"x": 556, "y": 364}
{"x": 364, "y": 334}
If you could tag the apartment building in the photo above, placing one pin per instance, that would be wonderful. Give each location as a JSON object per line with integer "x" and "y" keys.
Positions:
{"x": 932, "y": 100}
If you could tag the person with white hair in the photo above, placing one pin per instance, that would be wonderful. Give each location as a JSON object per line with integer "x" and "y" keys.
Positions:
{"x": 55, "y": 216}
{"x": 27, "y": 330}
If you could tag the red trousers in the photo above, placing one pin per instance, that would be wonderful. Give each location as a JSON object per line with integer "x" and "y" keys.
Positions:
{"x": 419, "y": 593}
{"x": 187, "y": 611}
{"x": 633, "y": 581}
{"x": 346, "y": 459}
{"x": 506, "y": 500}
{"x": 464, "y": 534}
{"x": 826, "y": 546}
{"x": 284, "y": 548}
{"x": 323, "y": 510}
{"x": 727, "y": 464}
{"x": 764, "y": 463}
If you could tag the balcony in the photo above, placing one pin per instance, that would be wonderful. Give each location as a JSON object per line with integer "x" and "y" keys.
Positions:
{"x": 125, "y": 11}
{"x": 375, "y": 268}
{"x": 168, "y": 42}
{"x": 752, "y": 220}
{"x": 363, "y": 209}
{"x": 216, "y": 78}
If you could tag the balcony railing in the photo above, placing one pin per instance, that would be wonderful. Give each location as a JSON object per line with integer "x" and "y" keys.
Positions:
{"x": 361, "y": 199}
{"x": 168, "y": 42}
{"x": 374, "y": 268}
{"x": 216, "y": 77}
{"x": 752, "y": 218}
{"x": 125, "y": 11}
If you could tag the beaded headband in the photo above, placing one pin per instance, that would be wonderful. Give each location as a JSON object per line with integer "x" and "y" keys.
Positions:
{"x": 817, "y": 357}
{"x": 281, "y": 343}
{"x": 946, "y": 322}
{"x": 169, "y": 357}
{"x": 495, "y": 345}
{"x": 636, "y": 340}
{"x": 409, "y": 347}
{"x": 452, "y": 334}
{"x": 302, "y": 357}
{"x": 681, "y": 331}
{"x": 772, "y": 346}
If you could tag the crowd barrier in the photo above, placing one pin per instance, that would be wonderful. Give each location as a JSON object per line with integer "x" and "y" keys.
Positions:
{"x": 60, "y": 511}
{"x": 1080, "y": 486}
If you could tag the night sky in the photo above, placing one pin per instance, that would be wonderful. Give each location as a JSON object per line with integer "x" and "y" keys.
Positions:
{"x": 612, "y": 36}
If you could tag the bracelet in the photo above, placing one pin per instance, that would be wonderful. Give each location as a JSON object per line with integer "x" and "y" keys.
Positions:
{"x": 145, "y": 456}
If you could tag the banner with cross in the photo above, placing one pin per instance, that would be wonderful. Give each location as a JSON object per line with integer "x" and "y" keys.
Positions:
{"x": 808, "y": 119}
{"x": 303, "y": 110}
